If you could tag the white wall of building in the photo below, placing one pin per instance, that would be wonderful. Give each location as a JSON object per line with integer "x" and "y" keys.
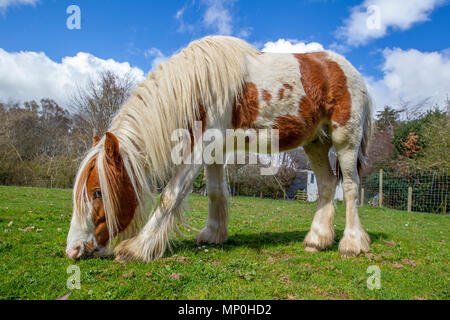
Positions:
{"x": 313, "y": 192}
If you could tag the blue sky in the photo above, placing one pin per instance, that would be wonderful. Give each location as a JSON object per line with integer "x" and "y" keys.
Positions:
{"x": 404, "y": 60}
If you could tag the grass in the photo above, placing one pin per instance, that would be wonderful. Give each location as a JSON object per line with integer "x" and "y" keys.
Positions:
{"x": 263, "y": 259}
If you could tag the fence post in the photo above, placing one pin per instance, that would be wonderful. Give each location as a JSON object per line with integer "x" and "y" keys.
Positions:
{"x": 361, "y": 199}
{"x": 410, "y": 199}
{"x": 444, "y": 208}
{"x": 381, "y": 189}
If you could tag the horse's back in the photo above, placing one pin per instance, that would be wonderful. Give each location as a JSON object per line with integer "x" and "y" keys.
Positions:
{"x": 298, "y": 94}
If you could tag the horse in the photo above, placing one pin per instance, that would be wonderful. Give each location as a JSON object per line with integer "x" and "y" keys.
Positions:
{"x": 314, "y": 100}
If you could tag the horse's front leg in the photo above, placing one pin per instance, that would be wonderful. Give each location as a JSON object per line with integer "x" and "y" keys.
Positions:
{"x": 321, "y": 234}
{"x": 216, "y": 229}
{"x": 153, "y": 239}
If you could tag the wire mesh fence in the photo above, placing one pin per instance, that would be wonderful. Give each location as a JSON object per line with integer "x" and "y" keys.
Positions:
{"x": 418, "y": 192}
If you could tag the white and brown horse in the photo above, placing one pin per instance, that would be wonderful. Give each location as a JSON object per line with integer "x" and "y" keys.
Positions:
{"x": 315, "y": 100}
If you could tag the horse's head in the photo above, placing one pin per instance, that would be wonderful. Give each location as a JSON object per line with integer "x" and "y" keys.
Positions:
{"x": 105, "y": 201}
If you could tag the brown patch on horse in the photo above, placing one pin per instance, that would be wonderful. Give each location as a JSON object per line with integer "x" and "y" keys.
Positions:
{"x": 122, "y": 192}
{"x": 288, "y": 86}
{"x": 266, "y": 96}
{"x": 326, "y": 88}
{"x": 291, "y": 132}
{"x": 85, "y": 174}
{"x": 89, "y": 247}
{"x": 281, "y": 94}
{"x": 200, "y": 117}
{"x": 245, "y": 112}
{"x": 96, "y": 140}
{"x": 89, "y": 178}
{"x": 98, "y": 212}
{"x": 296, "y": 130}
{"x": 327, "y": 96}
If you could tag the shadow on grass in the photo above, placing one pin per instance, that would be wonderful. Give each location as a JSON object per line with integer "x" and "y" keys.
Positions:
{"x": 256, "y": 241}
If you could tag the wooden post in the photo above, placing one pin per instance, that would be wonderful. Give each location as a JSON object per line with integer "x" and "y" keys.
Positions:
{"x": 380, "y": 201}
{"x": 361, "y": 199}
{"x": 444, "y": 207}
{"x": 410, "y": 199}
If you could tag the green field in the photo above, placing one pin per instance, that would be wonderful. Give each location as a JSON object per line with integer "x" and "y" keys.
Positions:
{"x": 263, "y": 259}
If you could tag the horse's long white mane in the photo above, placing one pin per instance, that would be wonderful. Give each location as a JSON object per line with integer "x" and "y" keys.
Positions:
{"x": 209, "y": 72}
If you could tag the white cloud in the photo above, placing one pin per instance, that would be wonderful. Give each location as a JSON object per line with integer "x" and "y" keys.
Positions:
{"x": 159, "y": 57}
{"x": 215, "y": 16}
{"x": 179, "y": 15}
{"x": 291, "y": 46}
{"x": 412, "y": 76}
{"x": 31, "y": 75}
{"x": 374, "y": 18}
{"x": 218, "y": 16}
{"x": 245, "y": 32}
{"x": 4, "y": 4}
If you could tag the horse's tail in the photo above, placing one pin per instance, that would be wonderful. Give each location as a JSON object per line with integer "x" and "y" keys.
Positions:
{"x": 367, "y": 127}
{"x": 367, "y": 134}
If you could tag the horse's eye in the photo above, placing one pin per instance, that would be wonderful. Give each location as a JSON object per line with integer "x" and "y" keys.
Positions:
{"x": 97, "y": 194}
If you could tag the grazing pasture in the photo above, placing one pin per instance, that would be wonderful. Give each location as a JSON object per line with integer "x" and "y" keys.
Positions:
{"x": 263, "y": 259}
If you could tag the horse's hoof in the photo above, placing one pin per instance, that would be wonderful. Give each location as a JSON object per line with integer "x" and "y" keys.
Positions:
{"x": 349, "y": 254}
{"x": 316, "y": 241}
{"x": 353, "y": 246}
{"x": 123, "y": 254}
{"x": 124, "y": 257}
{"x": 206, "y": 236}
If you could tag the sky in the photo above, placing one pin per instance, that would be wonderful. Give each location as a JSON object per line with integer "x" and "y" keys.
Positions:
{"x": 401, "y": 47}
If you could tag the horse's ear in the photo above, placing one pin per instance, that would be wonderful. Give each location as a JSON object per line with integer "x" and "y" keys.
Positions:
{"x": 112, "y": 146}
{"x": 96, "y": 140}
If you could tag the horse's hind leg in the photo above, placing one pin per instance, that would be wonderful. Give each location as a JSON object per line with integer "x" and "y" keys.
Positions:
{"x": 215, "y": 231}
{"x": 355, "y": 239}
{"x": 321, "y": 234}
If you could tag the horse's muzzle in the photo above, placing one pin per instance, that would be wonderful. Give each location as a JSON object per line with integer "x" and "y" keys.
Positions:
{"x": 75, "y": 253}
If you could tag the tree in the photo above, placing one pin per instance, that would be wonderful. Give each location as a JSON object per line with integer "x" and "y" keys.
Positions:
{"x": 435, "y": 155}
{"x": 21, "y": 127}
{"x": 41, "y": 144}
{"x": 387, "y": 118}
{"x": 299, "y": 159}
{"x": 417, "y": 126}
{"x": 35, "y": 144}
{"x": 413, "y": 140}
{"x": 54, "y": 128}
{"x": 380, "y": 146}
{"x": 95, "y": 105}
